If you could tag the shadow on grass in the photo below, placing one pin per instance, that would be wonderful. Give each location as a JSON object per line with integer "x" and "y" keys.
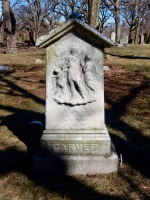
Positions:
{"x": 12, "y": 160}
{"x": 15, "y": 160}
{"x": 66, "y": 186}
{"x": 132, "y": 149}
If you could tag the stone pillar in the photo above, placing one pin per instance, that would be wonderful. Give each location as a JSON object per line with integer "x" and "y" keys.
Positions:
{"x": 11, "y": 44}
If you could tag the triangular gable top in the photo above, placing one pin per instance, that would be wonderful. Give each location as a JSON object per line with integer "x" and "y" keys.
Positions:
{"x": 79, "y": 27}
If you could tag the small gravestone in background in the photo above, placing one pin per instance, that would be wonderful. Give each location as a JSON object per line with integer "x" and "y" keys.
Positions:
{"x": 113, "y": 36}
{"x": 141, "y": 39}
{"x": 38, "y": 61}
{"x": 124, "y": 39}
{"x": 75, "y": 140}
{"x": 11, "y": 44}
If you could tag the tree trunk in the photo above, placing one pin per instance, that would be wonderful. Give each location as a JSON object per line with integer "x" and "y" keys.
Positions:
{"x": 131, "y": 35}
{"x": 138, "y": 24}
{"x": 133, "y": 26}
{"x": 93, "y": 13}
{"x": 137, "y": 32}
{"x": 117, "y": 20}
{"x": 9, "y": 27}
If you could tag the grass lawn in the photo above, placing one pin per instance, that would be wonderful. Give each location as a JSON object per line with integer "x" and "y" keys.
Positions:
{"x": 127, "y": 114}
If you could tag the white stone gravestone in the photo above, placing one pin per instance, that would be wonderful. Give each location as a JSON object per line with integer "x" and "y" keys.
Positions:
{"x": 75, "y": 140}
{"x": 141, "y": 39}
{"x": 113, "y": 36}
{"x": 124, "y": 39}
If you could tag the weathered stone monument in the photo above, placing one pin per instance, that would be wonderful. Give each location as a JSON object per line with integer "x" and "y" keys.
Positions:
{"x": 11, "y": 44}
{"x": 113, "y": 36}
{"x": 123, "y": 40}
{"x": 141, "y": 39}
{"x": 75, "y": 140}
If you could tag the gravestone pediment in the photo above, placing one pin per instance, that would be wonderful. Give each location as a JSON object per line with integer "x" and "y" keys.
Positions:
{"x": 77, "y": 27}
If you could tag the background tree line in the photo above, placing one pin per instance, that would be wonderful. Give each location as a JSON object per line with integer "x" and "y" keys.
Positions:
{"x": 41, "y": 16}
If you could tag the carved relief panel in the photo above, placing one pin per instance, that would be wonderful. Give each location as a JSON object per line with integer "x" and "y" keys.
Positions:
{"x": 74, "y": 84}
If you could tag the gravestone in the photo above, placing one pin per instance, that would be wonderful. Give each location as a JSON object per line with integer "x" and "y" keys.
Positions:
{"x": 113, "y": 36}
{"x": 28, "y": 36}
{"x": 38, "y": 61}
{"x": 75, "y": 140}
{"x": 11, "y": 44}
{"x": 120, "y": 45}
{"x": 124, "y": 39}
{"x": 141, "y": 39}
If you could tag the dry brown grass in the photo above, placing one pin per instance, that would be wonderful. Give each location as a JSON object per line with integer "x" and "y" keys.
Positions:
{"x": 127, "y": 92}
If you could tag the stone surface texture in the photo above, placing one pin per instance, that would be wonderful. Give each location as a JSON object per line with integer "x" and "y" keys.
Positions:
{"x": 75, "y": 134}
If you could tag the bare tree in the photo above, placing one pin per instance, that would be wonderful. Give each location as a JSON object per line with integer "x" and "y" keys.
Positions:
{"x": 67, "y": 7}
{"x": 31, "y": 13}
{"x": 9, "y": 23}
{"x": 134, "y": 12}
{"x": 104, "y": 16}
{"x": 114, "y": 7}
{"x": 146, "y": 22}
{"x": 93, "y": 13}
{"x": 89, "y": 9}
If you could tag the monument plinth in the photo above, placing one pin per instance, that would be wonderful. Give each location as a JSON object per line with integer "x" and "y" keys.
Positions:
{"x": 75, "y": 140}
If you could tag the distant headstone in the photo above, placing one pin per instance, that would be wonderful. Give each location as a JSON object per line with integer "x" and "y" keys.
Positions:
{"x": 120, "y": 45}
{"x": 28, "y": 36}
{"x": 19, "y": 38}
{"x": 38, "y": 61}
{"x": 11, "y": 44}
{"x": 113, "y": 36}
{"x": 124, "y": 39}
{"x": 141, "y": 39}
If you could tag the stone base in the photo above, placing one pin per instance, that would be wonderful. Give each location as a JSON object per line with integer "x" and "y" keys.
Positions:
{"x": 75, "y": 143}
{"x": 11, "y": 50}
{"x": 76, "y": 164}
{"x": 120, "y": 45}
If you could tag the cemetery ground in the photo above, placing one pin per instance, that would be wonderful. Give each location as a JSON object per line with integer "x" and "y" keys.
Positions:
{"x": 127, "y": 114}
